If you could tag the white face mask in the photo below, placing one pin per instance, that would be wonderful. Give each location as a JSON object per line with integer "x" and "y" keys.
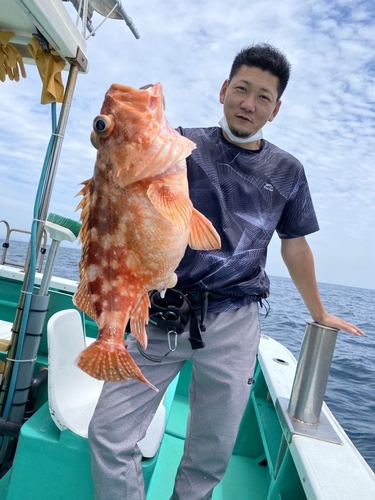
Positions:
{"x": 239, "y": 140}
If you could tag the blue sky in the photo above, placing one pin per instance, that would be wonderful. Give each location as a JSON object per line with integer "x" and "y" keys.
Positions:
{"x": 327, "y": 119}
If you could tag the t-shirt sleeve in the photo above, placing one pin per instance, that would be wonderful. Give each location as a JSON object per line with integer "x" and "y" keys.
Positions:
{"x": 298, "y": 217}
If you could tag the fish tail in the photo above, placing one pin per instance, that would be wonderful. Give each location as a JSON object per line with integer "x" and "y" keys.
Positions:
{"x": 104, "y": 362}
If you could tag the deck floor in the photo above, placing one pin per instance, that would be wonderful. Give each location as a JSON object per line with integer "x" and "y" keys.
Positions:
{"x": 243, "y": 480}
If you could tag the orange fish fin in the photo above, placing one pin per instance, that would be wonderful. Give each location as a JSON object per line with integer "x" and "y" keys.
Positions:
{"x": 203, "y": 235}
{"x": 85, "y": 207}
{"x": 174, "y": 205}
{"x": 105, "y": 362}
{"x": 82, "y": 300}
{"x": 139, "y": 318}
{"x": 84, "y": 184}
{"x": 85, "y": 192}
{"x": 82, "y": 297}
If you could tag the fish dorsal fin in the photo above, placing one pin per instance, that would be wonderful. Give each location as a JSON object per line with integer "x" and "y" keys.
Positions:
{"x": 139, "y": 318}
{"x": 172, "y": 204}
{"x": 203, "y": 235}
{"x": 82, "y": 298}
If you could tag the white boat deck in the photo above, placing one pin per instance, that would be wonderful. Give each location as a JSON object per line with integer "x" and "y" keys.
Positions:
{"x": 13, "y": 273}
{"x": 329, "y": 471}
{"x": 17, "y": 274}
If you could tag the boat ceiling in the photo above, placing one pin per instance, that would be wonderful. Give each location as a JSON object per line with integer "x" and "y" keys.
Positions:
{"x": 26, "y": 17}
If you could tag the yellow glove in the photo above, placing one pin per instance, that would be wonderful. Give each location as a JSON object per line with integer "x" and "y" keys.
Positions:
{"x": 49, "y": 65}
{"x": 15, "y": 63}
{"x": 10, "y": 59}
{"x": 3, "y": 66}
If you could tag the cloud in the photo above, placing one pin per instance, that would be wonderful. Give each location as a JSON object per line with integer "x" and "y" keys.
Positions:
{"x": 327, "y": 118}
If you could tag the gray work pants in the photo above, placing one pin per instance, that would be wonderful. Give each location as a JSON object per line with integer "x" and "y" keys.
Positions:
{"x": 219, "y": 391}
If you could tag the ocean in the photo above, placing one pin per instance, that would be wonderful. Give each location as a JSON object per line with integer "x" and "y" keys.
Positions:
{"x": 351, "y": 385}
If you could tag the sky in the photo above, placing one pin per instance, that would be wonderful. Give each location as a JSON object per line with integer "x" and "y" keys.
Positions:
{"x": 327, "y": 117}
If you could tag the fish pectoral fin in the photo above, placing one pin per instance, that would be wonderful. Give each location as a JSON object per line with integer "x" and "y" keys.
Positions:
{"x": 139, "y": 318}
{"x": 172, "y": 204}
{"x": 83, "y": 300}
{"x": 203, "y": 235}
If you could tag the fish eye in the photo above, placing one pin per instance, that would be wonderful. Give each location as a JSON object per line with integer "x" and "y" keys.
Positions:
{"x": 103, "y": 125}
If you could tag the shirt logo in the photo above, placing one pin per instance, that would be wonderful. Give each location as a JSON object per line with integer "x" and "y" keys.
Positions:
{"x": 269, "y": 187}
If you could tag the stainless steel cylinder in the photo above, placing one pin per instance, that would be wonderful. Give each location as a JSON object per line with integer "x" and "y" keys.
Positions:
{"x": 310, "y": 380}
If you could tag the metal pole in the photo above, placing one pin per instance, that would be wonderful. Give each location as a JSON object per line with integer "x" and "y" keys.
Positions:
{"x": 63, "y": 119}
{"x": 60, "y": 131}
{"x": 312, "y": 373}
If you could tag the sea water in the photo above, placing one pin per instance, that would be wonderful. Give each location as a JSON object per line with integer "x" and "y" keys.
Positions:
{"x": 351, "y": 385}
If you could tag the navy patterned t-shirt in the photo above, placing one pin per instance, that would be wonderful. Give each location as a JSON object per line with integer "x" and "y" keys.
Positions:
{"x": 247, "y": 195}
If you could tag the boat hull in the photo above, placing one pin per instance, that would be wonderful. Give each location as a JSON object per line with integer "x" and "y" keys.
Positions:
{"x": 268, "y": 461}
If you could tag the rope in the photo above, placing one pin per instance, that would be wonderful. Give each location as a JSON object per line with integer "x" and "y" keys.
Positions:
{"x": 104, "y": 20}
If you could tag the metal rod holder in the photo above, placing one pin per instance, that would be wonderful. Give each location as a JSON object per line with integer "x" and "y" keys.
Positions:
{"x": 312, "y": 373}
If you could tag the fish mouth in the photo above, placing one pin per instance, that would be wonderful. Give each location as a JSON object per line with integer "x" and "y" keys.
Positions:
{"x": 127, "y": 93}
{"x": 150, "y": 97}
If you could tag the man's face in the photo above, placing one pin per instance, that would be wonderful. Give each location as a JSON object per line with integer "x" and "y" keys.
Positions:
{"x": 250, "y": 100}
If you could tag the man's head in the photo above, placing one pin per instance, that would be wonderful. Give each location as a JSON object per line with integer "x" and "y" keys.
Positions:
{"x": 267, "y": 58}
{"x": 251, "y": 95}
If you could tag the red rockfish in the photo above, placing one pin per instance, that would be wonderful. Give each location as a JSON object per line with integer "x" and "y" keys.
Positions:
{"x": 137, "y": 220}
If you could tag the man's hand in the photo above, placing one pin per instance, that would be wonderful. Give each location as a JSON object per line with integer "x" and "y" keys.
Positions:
{"x": 340, "y": 324}
{"x": 299, "y": 260}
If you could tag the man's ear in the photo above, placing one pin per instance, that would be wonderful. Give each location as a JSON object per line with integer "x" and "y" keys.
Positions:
{"x": 275, "y": 111}
{"x": 223, "y": 91}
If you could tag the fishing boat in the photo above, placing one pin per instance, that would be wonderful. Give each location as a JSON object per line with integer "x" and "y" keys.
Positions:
{"x": 289, "y": 445}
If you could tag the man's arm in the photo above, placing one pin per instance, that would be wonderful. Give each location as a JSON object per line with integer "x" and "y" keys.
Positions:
{"x": 299, "y": 260}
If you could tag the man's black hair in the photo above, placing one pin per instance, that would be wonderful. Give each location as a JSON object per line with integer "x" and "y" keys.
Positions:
{"x": 267, "y": 58}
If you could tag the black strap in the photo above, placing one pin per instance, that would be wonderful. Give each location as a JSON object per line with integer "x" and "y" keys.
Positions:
{"x": 195, "y": 331}
{"x": 172, "y": 312}
{"x": 198, "y": 326}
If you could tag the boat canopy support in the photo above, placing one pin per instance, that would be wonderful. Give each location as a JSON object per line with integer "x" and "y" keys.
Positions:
{"x": 12, "y": 372}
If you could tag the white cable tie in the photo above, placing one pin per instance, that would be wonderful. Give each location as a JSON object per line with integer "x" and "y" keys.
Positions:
{"x": 21, "y": 360}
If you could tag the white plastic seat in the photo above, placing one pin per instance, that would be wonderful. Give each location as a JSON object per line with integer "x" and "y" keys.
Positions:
{"x": 72, "y": 394}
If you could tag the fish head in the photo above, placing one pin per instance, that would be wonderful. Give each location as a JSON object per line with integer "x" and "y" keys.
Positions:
{"x": 126, "y": 130}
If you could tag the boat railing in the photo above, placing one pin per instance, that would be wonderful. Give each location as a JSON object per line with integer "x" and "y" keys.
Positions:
{"x": 7, "y": 243}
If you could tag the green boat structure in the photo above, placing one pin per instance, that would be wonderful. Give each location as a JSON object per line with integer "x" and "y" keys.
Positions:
{"x": 289, "y": 445}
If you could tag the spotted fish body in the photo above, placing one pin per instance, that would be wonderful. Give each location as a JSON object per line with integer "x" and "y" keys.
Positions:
{"x": 137, "y": 220}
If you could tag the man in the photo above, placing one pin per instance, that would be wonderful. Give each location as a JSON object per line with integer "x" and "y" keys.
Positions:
{"x": 248, "y": 188}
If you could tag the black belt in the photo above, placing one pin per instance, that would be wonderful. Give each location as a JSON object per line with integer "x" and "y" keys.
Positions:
{"x": 172, "y": 311}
